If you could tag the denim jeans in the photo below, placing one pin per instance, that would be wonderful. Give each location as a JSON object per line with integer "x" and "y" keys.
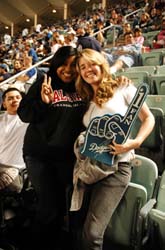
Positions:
{"x": 105, "y": 197}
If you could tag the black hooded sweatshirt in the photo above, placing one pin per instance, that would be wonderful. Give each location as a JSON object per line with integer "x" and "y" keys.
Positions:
{"x": 53, "y": 128}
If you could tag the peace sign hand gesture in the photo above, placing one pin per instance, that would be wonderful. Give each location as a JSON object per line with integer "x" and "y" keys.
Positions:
{"x": 46, "y": 90}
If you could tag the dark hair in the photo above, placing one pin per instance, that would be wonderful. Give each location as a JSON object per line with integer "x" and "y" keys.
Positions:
{"x": 47, "y": 48}
{"x": 9, "y": 90}
{"x": 137, "y": 30}
{"x": 128, "y": 33}
{"x": 59, "y": 58}
{"x": 88, "y": 42}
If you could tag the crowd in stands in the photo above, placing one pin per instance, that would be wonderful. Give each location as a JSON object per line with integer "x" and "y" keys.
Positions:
{"x": 122, "y": 49}
{"x": 45, "y": 41}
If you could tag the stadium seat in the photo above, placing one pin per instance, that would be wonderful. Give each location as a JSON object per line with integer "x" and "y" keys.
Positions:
{"x": 15, "y": 210}
{"x": 153, "y": 146}
{"x": 149, "y": 37}
{"x": 157, "y": 218}
{"x": 111, "y": 35}
{"x": 149, "y": 69}
{"x": 152, "y": 58}
{"x": 160, "y": 69}
{"x": 137, "y": 77}
{"x": 157, "y": 101}
{"x": 158, "y": 84}
{"x": 155, "y": 139}
{"x": 126, "y": 228}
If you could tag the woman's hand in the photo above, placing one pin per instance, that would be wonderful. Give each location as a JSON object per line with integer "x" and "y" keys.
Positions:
{"x": 123, "y": 80}
{"x": 46, "y": 90}
{"x": 116, "y": 148}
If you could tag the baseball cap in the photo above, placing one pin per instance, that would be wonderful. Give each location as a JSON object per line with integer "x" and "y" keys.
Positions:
{"x": 4, "y": 66}
{"x": 88, "y": 42}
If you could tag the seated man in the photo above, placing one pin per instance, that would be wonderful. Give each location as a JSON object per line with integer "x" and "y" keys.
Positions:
{"x": 27, "y": 78}
{"x": 12, "y": 134}
{"x": 124, "y": 56}
{"x": 118, "y": 57}
{"x": 23, "y": 81}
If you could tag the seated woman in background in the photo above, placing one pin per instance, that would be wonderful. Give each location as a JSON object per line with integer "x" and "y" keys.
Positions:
{"x": 138, "y": 37}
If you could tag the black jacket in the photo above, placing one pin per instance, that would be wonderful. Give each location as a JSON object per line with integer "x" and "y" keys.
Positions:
{"x": 53, "y": 128}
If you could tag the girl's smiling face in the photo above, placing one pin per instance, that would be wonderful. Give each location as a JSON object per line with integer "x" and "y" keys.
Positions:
{"x": 90, "y": 72}
{"x": 67, "y": 72}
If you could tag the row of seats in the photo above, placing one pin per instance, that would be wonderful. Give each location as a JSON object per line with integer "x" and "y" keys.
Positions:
{"x": 154, "y": 76}
{"x": 141, "y": 211}
{"x": 150, "y": 69}
{"x": 154, "y": 146}
{"x": 153, "y": 58}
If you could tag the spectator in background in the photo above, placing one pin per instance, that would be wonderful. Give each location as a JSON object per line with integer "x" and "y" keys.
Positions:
{"x": 4, "y": 75}
{"x": 12, "y": 134}
{"x": 88, "y": 42}
{"x": 156, "y": 20}
{"x": 7, "y": 40}
{"x": 31, "y": 52}
{"x": 38, "y": 28}
{"x": 124, "y": 56}
{"x": 17, "y": 66}
{"x": 25, "y": 80}
{"x": 25, "y": 32}
{"x": 56, "y": 43}
{"x": 46, "y": 53}
{"x": 118, "y": 57}
{"x": 126, "y": 28}
{"x": 159, "y": 41}
{"x": 145, "y": 22}
{"x": 139, "y": 38}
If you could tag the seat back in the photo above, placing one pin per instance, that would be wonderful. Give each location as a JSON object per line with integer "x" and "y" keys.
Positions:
{"x": 157, "y": 101}
{"x": 149, "y": 37}
{"x": 160, "y": 69}
{"x": 160, "y": 205}
{"x": 123, "y": 229}
{"x": 152, "y": 58}
{"x": 155, "y": 139}
{"x": 154, "y": 145}
{"x": 158, "y": 84}
{"x": 137, "y": 77}
{"x": 149, "y": 69}
{"x": 157, "y": 218}
{"x": 141, "y": 166}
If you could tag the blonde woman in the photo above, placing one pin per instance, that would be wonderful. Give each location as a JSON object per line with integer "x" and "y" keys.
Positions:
{"x": 107, "y": 96}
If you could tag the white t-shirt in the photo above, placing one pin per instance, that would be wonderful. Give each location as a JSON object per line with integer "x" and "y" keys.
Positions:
{"x": 118, "y": 104}
{"x": 12, "y": 131}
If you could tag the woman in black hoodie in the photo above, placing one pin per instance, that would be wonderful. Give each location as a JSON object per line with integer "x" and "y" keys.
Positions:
{"x": 54, "y": 112}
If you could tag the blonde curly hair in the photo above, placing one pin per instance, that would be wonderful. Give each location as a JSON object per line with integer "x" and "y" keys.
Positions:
{"x": 107, "y": 85}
